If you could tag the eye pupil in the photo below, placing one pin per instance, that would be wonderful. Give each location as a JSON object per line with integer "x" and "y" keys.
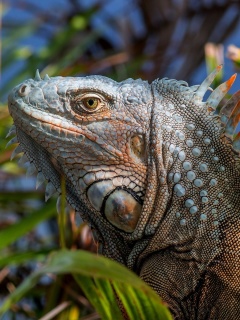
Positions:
{"x": 91, "y": 102}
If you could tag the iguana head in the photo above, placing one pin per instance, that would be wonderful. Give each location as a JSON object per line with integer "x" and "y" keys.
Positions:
{"x": 136, "y": 157}
{"x": 93, "y": 131}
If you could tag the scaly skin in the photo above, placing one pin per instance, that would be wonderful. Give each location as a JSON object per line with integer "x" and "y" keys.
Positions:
{"x": 149, "y": 167}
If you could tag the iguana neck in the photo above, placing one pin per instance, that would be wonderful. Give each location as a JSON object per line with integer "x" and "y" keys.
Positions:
{"x": 196, "y": 180}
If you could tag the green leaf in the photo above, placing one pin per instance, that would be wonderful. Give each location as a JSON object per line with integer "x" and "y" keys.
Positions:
{"x": 18, "y": 229}
{"x": 17, "y": 258}
{"x": 100, "y": 278}
{"x": 98, "y": 297}
{"x": 16, "y": 33}
{"x": 79, "y": 22}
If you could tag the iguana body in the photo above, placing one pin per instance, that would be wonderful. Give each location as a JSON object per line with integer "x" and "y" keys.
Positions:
{"x": 153, "y": 171}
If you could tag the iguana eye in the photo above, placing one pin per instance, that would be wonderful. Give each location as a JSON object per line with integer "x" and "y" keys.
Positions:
{"x": 91, "y": 103}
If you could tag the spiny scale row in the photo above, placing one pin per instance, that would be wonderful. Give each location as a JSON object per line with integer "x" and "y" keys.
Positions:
{"x": 50, "y": 189}
{"x": 229, "y": 113}
{"x": 38, "y": 77}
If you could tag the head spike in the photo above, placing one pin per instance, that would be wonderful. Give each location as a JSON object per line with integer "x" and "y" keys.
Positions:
{"x": 12, "y": 131}
{"x": 37, "y": 76}
{"x": 16, "y": 151}
{"x": 206, "y": 83}
{"x": 12, "y": 141}
{"x": 236, "y": 143}
{"x": 234, "y": 120}
{"x": 46, "y": 77}
{"x": 217, "y": 95}
{"x": 23, "y": 160}
{"x": 227, "y": 110}
{"x": 50, "y": 190}
{"x": 31, "y": 169}
{"x": 40, "y": 179}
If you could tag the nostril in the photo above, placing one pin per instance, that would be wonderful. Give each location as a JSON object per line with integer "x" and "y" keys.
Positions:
{"x": 24, "y": 90}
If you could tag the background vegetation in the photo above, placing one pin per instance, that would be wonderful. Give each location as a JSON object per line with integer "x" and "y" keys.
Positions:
{"x": 44, "y": 272}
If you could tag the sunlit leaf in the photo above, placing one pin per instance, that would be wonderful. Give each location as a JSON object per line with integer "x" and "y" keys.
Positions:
{"x": 107, "y": 273}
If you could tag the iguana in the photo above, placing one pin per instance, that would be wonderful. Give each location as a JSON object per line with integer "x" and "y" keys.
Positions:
{"x": 153, "y": 169}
